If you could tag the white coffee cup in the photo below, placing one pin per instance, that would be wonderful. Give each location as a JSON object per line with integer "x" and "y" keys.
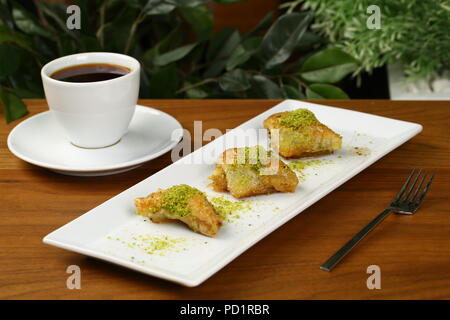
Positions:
{"x": 93, "y": 114}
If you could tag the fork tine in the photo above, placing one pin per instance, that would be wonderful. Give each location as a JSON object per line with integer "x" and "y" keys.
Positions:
{"x": 425, "y": 190}
{"x": 413, "y": 185}
{"x": 402, "y": 190}
{"x": 419, "y": 187}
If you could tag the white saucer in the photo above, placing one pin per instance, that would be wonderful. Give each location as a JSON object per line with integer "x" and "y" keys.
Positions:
{"x": 41, "y": 141}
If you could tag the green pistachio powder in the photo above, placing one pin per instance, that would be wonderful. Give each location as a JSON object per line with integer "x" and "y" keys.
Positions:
{"x": 175, "y": 199}
{"x": 153, "y": 245}
{"x": 298, "y": 118}
{"x": 298, "y": 165}
{"x": 230, "y": 210}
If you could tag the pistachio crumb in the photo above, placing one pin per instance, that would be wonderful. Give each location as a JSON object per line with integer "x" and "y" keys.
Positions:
{"x": 151, "y": 244}
{"x": 175, "y": 199}
{"x": 229, "y": 210}
{"x": 298, "y": 165}
{"x": 298, "y": 118}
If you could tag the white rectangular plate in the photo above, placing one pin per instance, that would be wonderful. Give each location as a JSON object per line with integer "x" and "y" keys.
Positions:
{"x": 112, "y": 232}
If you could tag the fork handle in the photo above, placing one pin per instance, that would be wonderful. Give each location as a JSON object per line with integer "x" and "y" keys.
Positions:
{"x": 342, "y": 252}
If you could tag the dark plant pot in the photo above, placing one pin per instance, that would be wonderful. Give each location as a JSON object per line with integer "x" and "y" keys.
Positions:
{"x": 373, "y": 86}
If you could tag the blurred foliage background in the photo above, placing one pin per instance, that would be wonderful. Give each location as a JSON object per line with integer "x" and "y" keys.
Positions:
{"x": 181, "y": 52}
{"x": 414, "y": 33}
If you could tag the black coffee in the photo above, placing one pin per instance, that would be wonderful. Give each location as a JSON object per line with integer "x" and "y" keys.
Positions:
{"x": 90, "y": 72}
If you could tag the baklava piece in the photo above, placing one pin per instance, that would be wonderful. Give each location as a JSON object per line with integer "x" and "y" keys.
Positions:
{"x": 184, "y": 203}
{"x": 251, "y": 171}
{"x": 300, "y": 134}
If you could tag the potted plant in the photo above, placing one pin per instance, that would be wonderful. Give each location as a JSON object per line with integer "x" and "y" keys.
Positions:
{"x": 181, "y": 55}
{"x": 413, "y": 40}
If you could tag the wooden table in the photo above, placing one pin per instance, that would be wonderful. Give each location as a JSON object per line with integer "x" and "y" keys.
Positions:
{"x": 413, "y": 252}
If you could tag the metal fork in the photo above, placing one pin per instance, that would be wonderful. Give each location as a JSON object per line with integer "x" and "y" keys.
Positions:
{"x": 408, "y": 204}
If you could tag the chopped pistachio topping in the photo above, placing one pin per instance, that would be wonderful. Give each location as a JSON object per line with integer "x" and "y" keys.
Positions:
{"x": 175, "y": 199}
{"x": 298, "y": 118}
{"x": 257, "y": 157}
{"x": 153, "y": 244}
{"x": 299, "y": 165}
{"x": 229, "y": 210}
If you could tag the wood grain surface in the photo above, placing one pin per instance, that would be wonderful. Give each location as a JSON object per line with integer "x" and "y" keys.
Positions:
{"x": 413, "y": 252}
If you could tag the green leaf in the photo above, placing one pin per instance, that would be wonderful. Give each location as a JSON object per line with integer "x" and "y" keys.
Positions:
{"x": 57, "y": 13}
{"x": 283, "y": 37}
{"x": 157, "y": 7}
{"x": 10, "y": 58}
{"x": 196, "y": 93}
{"x": 235, "y": 80}
{"x": 291, "y": 92}
{"x": 201, "y": 20}
{"x": 195, "y": 58}
{"x": 5, "y": 14}
{"x": 325, "y": 91}
{"x": 264, "y": 24}
{"x": 243, "y": 52}
{"x": 161, "y": 7}
{"x": 26, "y": 93}
{"x": 118, "y": 31}
{"x": 27, "y": 23}
{"x": 188, "y": 3}
{"x": 7, "y": 35}
{"x": 13, "y": 107}
{"x": 174, "y": 55}
{"x": 162, "y": 46}
{"x": 164, "y": 82}
{"x": 223, "y": 43}
{"x": 328, "y": 66}
{"x": 220, "y": 49}
{"x": 309, "y": 41}
{"x": 264, "y": 88}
